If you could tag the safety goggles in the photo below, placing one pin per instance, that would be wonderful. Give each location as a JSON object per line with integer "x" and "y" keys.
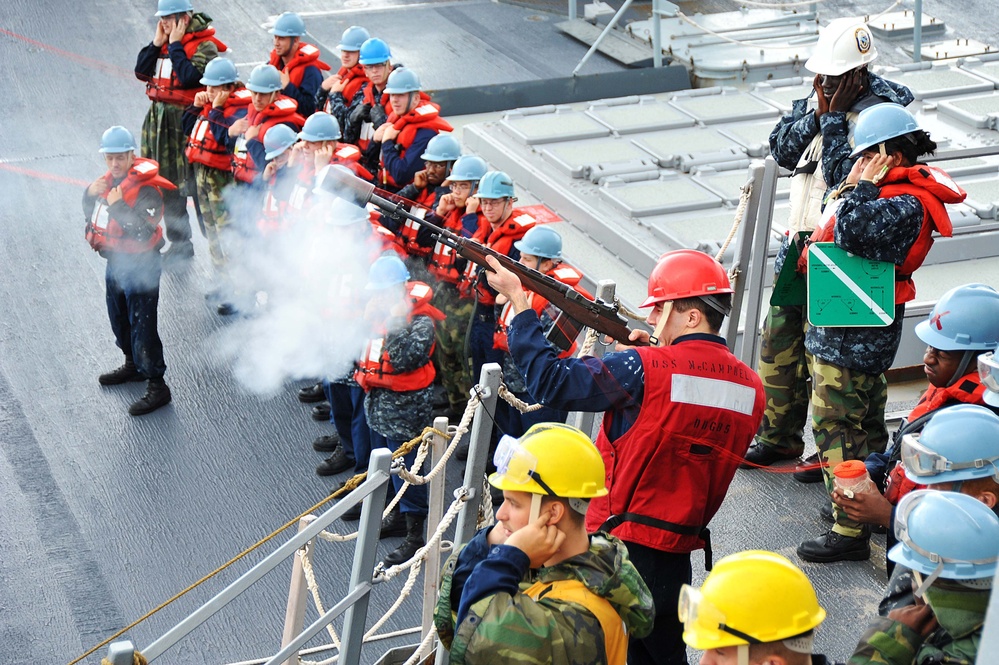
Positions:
{"x": 921, "y": 461}
{"x": 694, "y": 609}
{"x": 902, "y": 535}
{"x": 988, "y": 371}
{"x": 517, "y": 464}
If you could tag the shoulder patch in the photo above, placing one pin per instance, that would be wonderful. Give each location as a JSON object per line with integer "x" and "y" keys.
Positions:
{"x": 145, "y": 168}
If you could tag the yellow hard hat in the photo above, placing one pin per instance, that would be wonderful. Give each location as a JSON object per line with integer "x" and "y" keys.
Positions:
{"x": 751, "y": 597}
{"x": 551, "y": 459}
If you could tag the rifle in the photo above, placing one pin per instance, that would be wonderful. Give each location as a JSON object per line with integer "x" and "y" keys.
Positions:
{"x": 602, "y": 316}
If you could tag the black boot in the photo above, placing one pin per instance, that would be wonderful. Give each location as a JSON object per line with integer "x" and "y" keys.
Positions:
{"x": 414, "y": 541}
{"x": 760, "y": 454}
{"x": 312, "y": 394}
{"x": 127, "y": 373}
{"x": 836, "y": 547}
{"x": 157, "y": 395}
{"x": 393, "y": 525}
{"x": 335, "y": 463}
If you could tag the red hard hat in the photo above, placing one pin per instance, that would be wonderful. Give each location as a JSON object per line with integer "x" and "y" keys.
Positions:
{"x": 686, "y": 273}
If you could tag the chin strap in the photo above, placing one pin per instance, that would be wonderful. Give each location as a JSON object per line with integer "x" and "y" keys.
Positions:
{"x": 661, "y": 325}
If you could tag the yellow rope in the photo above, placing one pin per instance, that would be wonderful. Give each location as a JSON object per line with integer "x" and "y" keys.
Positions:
{"x": 137, "y": 659}
{"x": 348, "y": 486}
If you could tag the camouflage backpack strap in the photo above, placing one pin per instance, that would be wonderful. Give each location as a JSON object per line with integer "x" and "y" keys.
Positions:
{"x": 574, "y": 591}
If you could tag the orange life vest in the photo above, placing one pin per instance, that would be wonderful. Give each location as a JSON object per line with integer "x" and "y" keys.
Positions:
{"x": 563, "y": 273}
{"x": 104, "y": 232}
{"x": 933, "y": 187}
{"x": 202, "y": 148}
{"x": 442, "y": 259}
{"x": 575, "y": 592}
{"x": 367, "y": 129}
{"x": 164, "y": 85}
{"x": 353, "y": 79}
{"x": 410, "y": 230}
{"x": 424, "y": 116}
{"x": 281, "y": 110}
{"x": 306, "y": 56}
{"x": 501, "y": 240}
{"x": 375, "y": 367}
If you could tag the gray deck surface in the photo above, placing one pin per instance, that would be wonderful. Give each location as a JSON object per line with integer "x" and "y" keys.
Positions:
{"x": 104, "y": 516}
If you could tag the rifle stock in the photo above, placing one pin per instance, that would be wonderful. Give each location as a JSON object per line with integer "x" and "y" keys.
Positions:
{"x": 601, "y": 316}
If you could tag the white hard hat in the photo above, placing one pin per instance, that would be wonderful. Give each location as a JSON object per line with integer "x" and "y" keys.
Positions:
{"x": 843, "y": 45}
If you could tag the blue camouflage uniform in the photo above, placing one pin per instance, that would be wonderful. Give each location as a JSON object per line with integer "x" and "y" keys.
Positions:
{"x": 782, "y": 365}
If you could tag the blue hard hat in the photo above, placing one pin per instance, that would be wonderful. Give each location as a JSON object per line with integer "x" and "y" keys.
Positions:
{"x": 118, "y": 139}
{"x": 388, "y": 270}
{"x": 966, "y": 318}
{"x": 879, "y": 123}
{"x": 495, "y": 185}
{"x": 320, "y": 126}
{"x": 401, "y": 81}
{"x": 468, "y": 168}
{"x": 949, "y": 534}
{"x": 219, "y": 71}
{"x": 264, "y": 78}
{"x": 288, "y": 24}
{"x": 278, "y": 139}
{"x": 171, "y": 7}
{"x": 442, "y": 148}
{"x": 374, "y": 51}
{"x": 352, "y": 38}
{"x": 541, "y": 241}
{"x": 342, "y": 212}
{"x": 958, "y": 443}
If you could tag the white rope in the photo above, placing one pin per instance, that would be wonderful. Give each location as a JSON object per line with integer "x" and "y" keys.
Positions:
{"x": 740, "y": 212}
{"x": 486, "y": 516}
{"x": 415, "y": 658}
{"x": 416, "y": 562}
{"x": 310, "y": 579}
{"x": 416, "y": 479}
{"x": 461, "y": 496}
{"x": 589, "y": 343}
{"x": 516, "y": 403}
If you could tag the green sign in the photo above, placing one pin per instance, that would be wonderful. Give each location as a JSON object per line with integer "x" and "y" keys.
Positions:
{"x": 847, "y": 290}
{"x": 789, "y": 287}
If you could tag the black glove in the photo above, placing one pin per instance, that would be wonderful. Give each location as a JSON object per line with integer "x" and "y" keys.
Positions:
{"x": 378, "y": 115}
{"x": 359, "y": 114}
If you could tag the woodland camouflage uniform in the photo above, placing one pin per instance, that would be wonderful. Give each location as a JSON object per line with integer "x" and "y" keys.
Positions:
{"x": 504, "y": 628}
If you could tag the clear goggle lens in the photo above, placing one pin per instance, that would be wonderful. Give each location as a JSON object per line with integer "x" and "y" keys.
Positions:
{"x": 919, "y": 460}
{"x": 988, "y": 371}
{"x": 513, "y": 462}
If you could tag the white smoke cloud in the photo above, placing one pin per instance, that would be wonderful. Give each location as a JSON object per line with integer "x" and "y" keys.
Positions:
{"x": 300, "y": 295}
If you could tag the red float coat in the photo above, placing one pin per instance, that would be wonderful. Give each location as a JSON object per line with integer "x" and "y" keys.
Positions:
{"x": 424, "y": 116}
{"x": 933, "y": 187}
{"x": 306, "y": 56}
{"x": 164, "y": 86}
{"x": 354, "y": 78}
{"x": 281, "y": 110}
{"x": 410, "y": 229}
{"x": 700, "y": 410}
{"x": 202, "y": 148}
{"x": 104, "y": 232}
{"x": 563, "y": 273}
{"x": 442, "y": 259}
{"x": 375, "y": 367}
{"x": 500, "y": 239}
